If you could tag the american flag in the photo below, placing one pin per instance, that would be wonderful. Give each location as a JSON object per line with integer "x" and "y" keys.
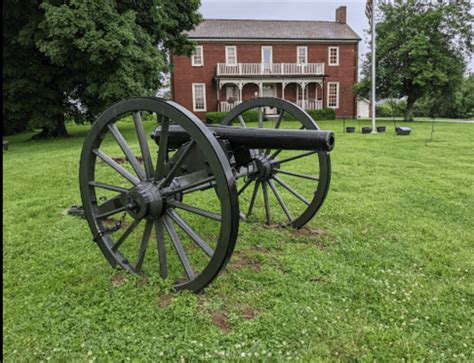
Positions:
{"x": 368, "y": 11}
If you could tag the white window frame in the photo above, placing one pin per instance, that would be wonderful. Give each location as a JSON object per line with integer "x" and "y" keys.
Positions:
{"x": 271, "y": 53}
{"x": 329, "y": 94}
{"x": 193, "y": 60}
{"x": 195, "y": 109}
{"x": 234, "y": 47}
{"x": 305, "y": 55}
{"x": 337, "y": 56}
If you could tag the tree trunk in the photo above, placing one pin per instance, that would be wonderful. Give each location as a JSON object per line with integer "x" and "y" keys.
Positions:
{"x": 410, "y": 106}
{"x": 53, "y": 132}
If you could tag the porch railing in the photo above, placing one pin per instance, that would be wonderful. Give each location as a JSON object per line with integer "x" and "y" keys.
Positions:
{"x": 307, "y": 105}
{"x": 279, "y": 69}
{"x": 310, "y": 104}
{"x": 227, "y": 106}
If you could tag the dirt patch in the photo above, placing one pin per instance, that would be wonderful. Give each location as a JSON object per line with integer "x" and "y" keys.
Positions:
{"x": 119, "y": 280}
{"x": 248, "y": 313}
{"x": 123, "y": 160}
{"x": 165, "y": 301}
{"x": 309, "y": 232}
{"x": 242, "y": 261}
{"x": 220, "y": 319}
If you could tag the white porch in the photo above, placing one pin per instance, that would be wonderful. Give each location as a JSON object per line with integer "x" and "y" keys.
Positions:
{"x": 294, "y": 90}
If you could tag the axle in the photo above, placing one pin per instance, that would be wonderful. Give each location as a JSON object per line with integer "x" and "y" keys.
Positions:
{"x": 258, "y": 138}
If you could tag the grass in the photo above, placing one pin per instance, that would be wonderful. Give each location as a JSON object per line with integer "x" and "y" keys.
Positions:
{"x": 384, "y": 272}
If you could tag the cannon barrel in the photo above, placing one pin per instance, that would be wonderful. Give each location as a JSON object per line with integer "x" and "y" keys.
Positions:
{"x": 258, "y": 138}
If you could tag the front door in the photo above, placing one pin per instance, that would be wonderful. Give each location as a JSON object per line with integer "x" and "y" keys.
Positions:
{"x": 269, "y": 90}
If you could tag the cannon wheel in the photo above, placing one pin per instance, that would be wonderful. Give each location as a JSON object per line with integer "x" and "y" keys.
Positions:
{"x": 149, "y": 197}
{"x": 309, "y": 204}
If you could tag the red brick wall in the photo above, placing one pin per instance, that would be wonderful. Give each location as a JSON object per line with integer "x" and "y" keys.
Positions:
{"x": 346, "y": 73}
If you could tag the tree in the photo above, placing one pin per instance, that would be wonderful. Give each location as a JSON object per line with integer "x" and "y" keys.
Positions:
{"x": 70, "y": 59}
{"x": 422, "y": 48}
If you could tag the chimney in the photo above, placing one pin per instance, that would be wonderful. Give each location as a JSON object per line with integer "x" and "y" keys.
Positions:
{"x": 341, "y": 14}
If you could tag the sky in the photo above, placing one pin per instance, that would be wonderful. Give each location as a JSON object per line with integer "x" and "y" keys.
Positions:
{"x": 293, "y": 10}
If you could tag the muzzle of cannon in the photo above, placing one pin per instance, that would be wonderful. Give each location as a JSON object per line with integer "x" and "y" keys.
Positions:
{"x": 174, "y": 200}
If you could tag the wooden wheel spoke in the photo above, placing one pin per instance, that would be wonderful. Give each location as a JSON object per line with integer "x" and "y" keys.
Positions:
{"x": 108, "y": 187}
{"x": 266, "y": 202}
{"x": 280, "y": 200}
{"x": 178, "y": 247}
{"x": 195, "y": 210}
{"x": 260, "y": 123}
{"x": 116, "y": 166}
{"x": 160, "y": 244}
{"x": 242, "y": 121}
{"x": 142, "y": 140}
{"x": 294, "y": 157}
{"x": 298, "y": 175}
{"x": 254, "y": 196}
{"x": 145, "y": 238}
{"x": 110, "y": 207}
{"x": 177, "y": 164}
{"x": 292, "y": 191}
{"x": 275, "y": 154}
{"x": 191, "y": 187}
{"x": 190, "y": 232}
{"x": 247, "y": 183}
{"x": 277, "y": 126}
{"x": 127, "y": 151}
{"x": 125, "y": 234}
{"x": 163, "y": 151}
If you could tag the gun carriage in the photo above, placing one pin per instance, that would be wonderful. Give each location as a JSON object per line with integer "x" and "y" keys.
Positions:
{"x": 185, "y": 208}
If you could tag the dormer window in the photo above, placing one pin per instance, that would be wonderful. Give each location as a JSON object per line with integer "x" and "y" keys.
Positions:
{"x": 333, "y": 56}
{"x": 197, "y": 59}
{"x": 301, "y": 55}
{"x": 231, "y": 55}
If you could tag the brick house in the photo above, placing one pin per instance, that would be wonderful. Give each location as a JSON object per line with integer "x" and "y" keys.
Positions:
{"x": 311, "y": 63}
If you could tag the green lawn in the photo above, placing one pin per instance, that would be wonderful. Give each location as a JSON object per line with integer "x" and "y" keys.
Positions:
{"x": 384, "y": 272}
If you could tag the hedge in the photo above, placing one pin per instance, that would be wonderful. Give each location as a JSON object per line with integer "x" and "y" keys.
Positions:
{"x": 317, "y": 115}
{"x": 217, "y": 117}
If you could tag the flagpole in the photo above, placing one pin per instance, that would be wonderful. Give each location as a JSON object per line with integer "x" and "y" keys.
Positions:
{"x": 374, "y": 129}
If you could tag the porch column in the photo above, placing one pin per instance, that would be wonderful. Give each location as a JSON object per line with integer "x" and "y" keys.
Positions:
{"x": 303, "y": 99}
{"x": 260, "y": 89}
{"x": 283, "y": 85}
{"x": 218, "y": 86}
{"x": 241, "y": 86}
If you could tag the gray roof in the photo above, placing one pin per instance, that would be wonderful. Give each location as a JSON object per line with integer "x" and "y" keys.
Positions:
{"x": 273, "y": 29}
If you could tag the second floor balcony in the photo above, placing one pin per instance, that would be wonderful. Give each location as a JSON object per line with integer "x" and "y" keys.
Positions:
{"x": 270, "y": 69}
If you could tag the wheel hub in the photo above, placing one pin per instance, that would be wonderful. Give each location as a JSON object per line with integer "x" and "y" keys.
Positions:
{"x": 145, "y": 201}
{"x": 265, "y": 169}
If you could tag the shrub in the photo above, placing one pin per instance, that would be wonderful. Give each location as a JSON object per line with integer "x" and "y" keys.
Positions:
{"x": 217, "y": 117}
{"x": 323, "y": 114}
{"x": 317, "y": 115}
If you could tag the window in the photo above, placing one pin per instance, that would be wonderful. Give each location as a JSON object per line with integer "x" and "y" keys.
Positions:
{"x": 333, "y": 56}
{"x": 197, "y": 59}
{"x": 301, "y": 55}
{"x": 199, "y": 97}
{"x": 232, "y": 92}
{"x": 267, "y": 59}
{"x": 231, "y": 55}
{"x": 333, "y": 94}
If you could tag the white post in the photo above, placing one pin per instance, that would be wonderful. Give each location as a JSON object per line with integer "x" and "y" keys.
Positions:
{"x": 374, "y": 128}
{"x": 283, "y": 84}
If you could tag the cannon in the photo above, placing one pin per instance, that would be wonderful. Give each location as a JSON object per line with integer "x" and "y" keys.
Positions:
{"x": 179, "y": 208}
